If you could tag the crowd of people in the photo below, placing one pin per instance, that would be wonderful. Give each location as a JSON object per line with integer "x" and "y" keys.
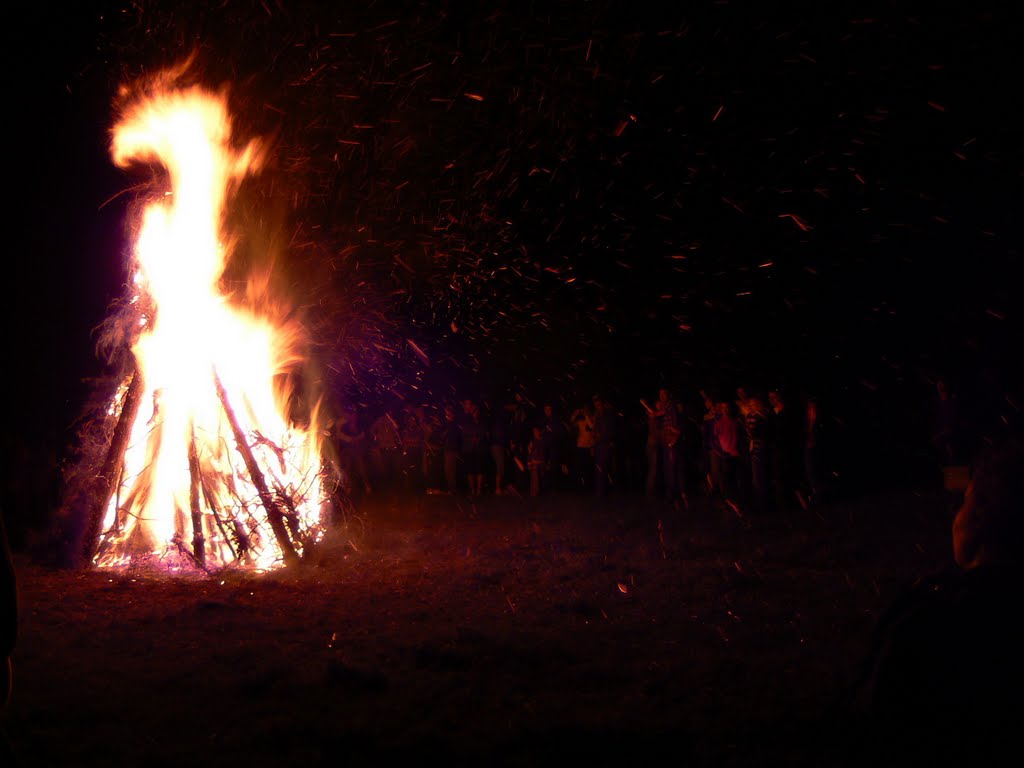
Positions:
{"x": 944, "y": 670}
{"x": 751, "y": 451}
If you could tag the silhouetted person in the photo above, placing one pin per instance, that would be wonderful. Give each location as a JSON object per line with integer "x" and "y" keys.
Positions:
{"x": 727, "y": 439}
{"x": 414, "y": 460}
{"x": 653, "y": 451}
{"x": 812, "y": 452}
{"x": 537, "y": 453}
{"x": 452, "y": 446}
{"x": 756, "y": 428}
{"x": 475, "y": 447}
{"x": 385, "y": 450}
{"x": 604, "y": 443}
{"x": 556, "y": 468}
{"x": 742, "y": 462}
{"x": 708, "y": 444}
{"x": 945, "y": 678}
{"x": 520, "y": 434}
{"x": 667, "y": 416}
{"x": 351, "y": 444}
{"x": 500, "y": 431}
{"x": 783, "y": 447}
{"x": 583, "y": 460}
{"x": 947, "y": 425}
{"x": 8, "y": 632}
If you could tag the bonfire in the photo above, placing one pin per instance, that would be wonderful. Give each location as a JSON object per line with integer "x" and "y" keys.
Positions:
{"x": 204, "y": 465}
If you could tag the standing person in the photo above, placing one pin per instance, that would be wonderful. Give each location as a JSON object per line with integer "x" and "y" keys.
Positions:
{"x": 583, "y": 460}
{"x": 386, "y": 446}
{"x": 708, "y": 448}
{"x": 667, "y": 416}
{"x": 537, "y": 459}
{"x": 781, "y": 450}
{"x": 653, "y": 450}
{"x": 756, "y": 429}
{"x": 499, "y": 447}
{"x": 628, "y": 462}
{"x": 554, "y": 436}
{"x": 742, "y": 480}
{"x": 812, "y": 452}
{"x": 947, "y": 425}
{"x": 474, "y": 445}
{"x": 604, "y": 441}
{"x": 8, "y": 634}
{"x": 352, "y": 448}
{"x": 520, "y": 435}
{"x": 727, "y": 438}
{"x": 451, "y": 444}
{"x": 414, "y": 473}
{"x": 9, "y": 619}
{"x": 686, "y": 449}
{"x": 433, "y": 448}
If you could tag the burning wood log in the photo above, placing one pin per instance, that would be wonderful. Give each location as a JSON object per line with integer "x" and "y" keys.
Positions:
{"x": 198, "y": 549}
{"x": 108, "y": 476}
{"x": 274, "y": 514}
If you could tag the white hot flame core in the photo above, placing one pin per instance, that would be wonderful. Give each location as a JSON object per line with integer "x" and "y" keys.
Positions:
{"x": 194, "y": 337}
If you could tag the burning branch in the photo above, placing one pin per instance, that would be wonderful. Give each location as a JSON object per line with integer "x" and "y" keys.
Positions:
{"x": 243, "y": 538}
{"x": 107, "y": 479}
{"x": 198, "y": 549}
{"x": 274, "y": 515}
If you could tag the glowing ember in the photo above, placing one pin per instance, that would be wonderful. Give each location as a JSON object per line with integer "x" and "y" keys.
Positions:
{"x": 214, "y": 472}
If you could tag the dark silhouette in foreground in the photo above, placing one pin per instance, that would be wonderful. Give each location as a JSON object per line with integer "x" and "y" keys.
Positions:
{"x": 8, "y": 632}
{"x": 945, "y": 677}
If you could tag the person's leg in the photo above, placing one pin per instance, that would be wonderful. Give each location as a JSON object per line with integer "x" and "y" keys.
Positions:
{"x": 450, "y": 473}
{"x": 498, "y": 456}
{"x": 714, "y": 474}
{"x": 728, "y": 489}
{"x": 668, "y": 470}
{"x": 651, "y": 484}
{"x": 759, "y": 482}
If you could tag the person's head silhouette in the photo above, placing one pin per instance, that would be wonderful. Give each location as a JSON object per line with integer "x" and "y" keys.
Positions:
{"x": 989, "y": 528}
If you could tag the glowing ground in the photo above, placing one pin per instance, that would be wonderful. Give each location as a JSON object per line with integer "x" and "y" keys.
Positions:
{"x": 510, "y": 633}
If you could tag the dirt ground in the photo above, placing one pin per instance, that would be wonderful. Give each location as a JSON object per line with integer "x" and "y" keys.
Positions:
{"x": 505, "y": 632}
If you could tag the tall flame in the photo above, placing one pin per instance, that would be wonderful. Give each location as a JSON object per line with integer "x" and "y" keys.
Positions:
{"x": 214, "y": 468}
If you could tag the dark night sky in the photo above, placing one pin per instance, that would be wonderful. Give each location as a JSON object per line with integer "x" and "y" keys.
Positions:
{"x": 582, "y": 194}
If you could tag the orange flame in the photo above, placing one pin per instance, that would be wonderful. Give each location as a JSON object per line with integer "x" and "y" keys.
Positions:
{"x": 209, "y": 367}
